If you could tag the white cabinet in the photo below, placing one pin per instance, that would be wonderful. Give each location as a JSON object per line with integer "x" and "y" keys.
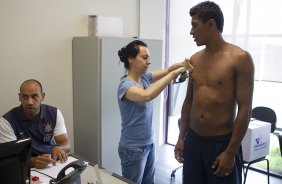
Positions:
{"x": 96, "y": 74}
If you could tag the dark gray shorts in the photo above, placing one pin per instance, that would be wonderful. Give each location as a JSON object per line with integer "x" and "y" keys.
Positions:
{"x": 199, "y": 155}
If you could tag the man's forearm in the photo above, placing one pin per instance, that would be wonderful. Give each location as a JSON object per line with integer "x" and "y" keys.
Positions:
{"x": 238, "y": 133}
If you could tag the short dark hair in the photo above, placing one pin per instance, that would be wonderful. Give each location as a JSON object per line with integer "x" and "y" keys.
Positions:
{"x": 209, "y": 10}
{"x": 32, "y": 80}
{"x": 130, "y": 50}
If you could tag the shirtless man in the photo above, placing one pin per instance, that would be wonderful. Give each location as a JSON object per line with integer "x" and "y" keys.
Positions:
{"x": 216, "y": 110}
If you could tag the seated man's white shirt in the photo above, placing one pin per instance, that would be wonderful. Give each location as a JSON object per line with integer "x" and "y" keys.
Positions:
{"x": 60, "y": 127}
{"x": 7, "y": 133}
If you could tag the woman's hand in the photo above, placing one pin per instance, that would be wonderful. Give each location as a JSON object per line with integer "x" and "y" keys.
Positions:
{"x": 186, "y": 63}
{"x": 182, "y": 71}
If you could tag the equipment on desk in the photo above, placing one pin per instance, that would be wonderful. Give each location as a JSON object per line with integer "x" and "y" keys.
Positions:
{"x": 15, "y": 161}
{"x": 96, "y": 175}
{"x": 73, "y": 177}
{"x": 88, "y": 174}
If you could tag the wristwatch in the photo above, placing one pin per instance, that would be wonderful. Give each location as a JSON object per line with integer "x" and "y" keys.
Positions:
{"x": 58, "y": 145}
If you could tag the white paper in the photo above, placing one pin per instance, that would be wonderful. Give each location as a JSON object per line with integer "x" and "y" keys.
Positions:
{"x": 51, "y": 170}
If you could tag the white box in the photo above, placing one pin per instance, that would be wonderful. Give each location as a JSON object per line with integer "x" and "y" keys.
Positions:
{"x": 256, "y": 141}
{"x": 105, "y": 26}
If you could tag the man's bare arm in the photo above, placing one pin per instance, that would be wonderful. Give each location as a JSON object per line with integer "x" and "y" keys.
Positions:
{"x": 62, "y": 148}
{"x": 184, "y": 123}
{"x": 244, "y": 93}
{"x": 244, "y": 96}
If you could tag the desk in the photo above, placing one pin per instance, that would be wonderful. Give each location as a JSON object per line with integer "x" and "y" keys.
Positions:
{"x": 88, "y": 176}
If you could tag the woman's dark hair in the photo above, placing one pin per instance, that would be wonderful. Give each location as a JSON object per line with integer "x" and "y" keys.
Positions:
{"x": 130, "y": 51}
{"x": 208, "y": 10}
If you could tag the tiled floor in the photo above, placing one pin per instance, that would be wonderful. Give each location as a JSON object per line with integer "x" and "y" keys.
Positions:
{"x": 166, "y": 163}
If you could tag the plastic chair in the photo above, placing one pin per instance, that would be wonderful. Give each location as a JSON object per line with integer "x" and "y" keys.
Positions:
{"x": 263, "y": 114}
{"x": 172, "y": 175}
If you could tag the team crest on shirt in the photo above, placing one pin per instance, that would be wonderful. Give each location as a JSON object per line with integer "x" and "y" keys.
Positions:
{"x": 48, "y": 132}
{"x": 47, "y": 127}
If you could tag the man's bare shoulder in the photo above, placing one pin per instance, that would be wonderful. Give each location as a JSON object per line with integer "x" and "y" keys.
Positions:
{"x": 242, "y": 60}
{"x": 196, "y": 56}
{"x": 232, "y": 52}
{"x": 237, "y": 52}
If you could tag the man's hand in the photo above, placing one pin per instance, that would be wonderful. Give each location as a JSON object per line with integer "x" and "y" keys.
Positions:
{"x": 223, "y": 165}
{"x": 42, "y": 161}
{"x": 178, "y": 151}
{"x": 58, "y": 153}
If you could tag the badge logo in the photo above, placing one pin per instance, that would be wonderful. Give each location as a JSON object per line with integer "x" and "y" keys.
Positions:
{"x": 47, "y": 132}
{"x": 260, "y": 143}
{"x": 47, "y": 127}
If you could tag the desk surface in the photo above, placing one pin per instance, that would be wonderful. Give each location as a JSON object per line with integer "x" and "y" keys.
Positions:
{"x": 87, "y": 176}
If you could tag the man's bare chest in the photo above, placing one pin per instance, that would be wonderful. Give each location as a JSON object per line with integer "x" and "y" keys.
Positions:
{"x": 213, "y": 72}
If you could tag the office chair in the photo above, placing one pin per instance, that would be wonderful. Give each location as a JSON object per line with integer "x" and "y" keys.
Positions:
{"x": 280, "y": 143}
{"x": 172, "y": 175}
{"x": 263, "y": 114}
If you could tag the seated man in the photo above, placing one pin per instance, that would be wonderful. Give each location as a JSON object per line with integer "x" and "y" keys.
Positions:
{"x": 42, "y": 123}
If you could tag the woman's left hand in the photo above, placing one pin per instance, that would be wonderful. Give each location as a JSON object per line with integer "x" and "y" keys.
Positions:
{"x": 186, "y": 63}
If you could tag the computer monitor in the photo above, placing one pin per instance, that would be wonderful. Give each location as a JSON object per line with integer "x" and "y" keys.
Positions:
{"x": 15, "y": 162}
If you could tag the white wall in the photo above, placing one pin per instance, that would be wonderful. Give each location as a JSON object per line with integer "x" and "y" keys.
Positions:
{"x": 152, "y": 19}
{"x": 152, "y": 26}
{"x": 35, "y": 42}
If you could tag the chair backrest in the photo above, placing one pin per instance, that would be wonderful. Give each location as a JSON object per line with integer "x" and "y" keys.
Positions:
{"x": 265, "y": 114}
{"x": 280, "y": 143}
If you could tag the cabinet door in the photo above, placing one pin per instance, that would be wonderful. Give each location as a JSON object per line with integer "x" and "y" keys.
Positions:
{"x": 111, "y": 71}
{"x": 86, "y": 98}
